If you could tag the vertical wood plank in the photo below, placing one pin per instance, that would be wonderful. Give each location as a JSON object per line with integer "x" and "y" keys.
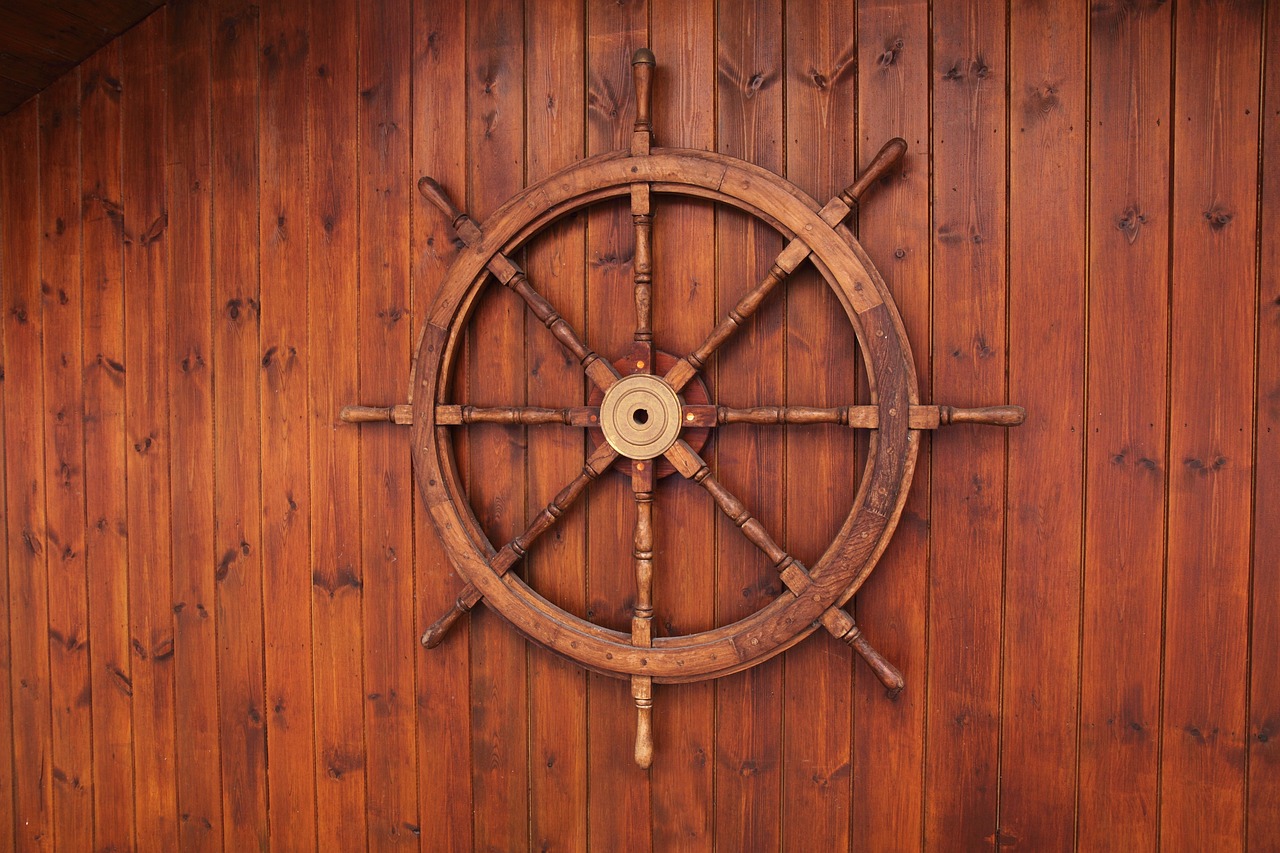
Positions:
{"x": 106, "y": 548}
{"x": 555, "y": 95}
{"x": 190, "y": 387}
{"x": 682, "y": 36}
{"x": 1129, "y": 135}
{"x": 1216, "y": 102}
{"x": 893, "y": 226}
{"x": 821, "y": 353}
{"x": 25, "y": 487}
{"x": 618, "y": 792}
{"x": 749, "y": 370}
{"x": 8, "y": 770}
{"x": 146, "y": 249}
{"x": 968, "y": 485}
{"x": 1047, "y": 181}
{"x": 60, "y": 285}
{"x": 443, "y": 673}
{"x": 237, "y": 450}
{"x": 147, "y": 475}
{"x": 496, "y": 375}
{"x": 1262, "y": 821}
{"x": 386, "y": 481}
{"x": 286, "y": 495}
{"x": 333, "y": 291}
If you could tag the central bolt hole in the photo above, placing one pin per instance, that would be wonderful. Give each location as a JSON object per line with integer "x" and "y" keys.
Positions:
{"x": 640, "y": 416}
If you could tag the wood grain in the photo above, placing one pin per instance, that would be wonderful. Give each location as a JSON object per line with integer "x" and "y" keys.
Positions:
{"x": 496, "y": 370}
{"x": 682, "y": 38}
{"x": 384, "y": 192}
{"x": 337, "y": 627}
{"x": 555, "y": 115}
{"x": 819, "y": 85}
{"x": 749, "y": 753}
{"x": 284, "y": 357}
{"x": 968, "y": 487}
{"x": 147, "y": 477}
{"x": 1126, "y": 384}
{"x": 25, "y": 490}
{"x": 1040, "y": 675}
{"x": 236, "y": 366}
{"x": 61, "y": 291}
{"x": 443, "y": 675}
{"x": 190, "y": 388}
{"x": 105, "y": 443}
{"x": 1214, "y": 216}
{"x": 893, "y": 226}
{"x": 1262, "y": 817}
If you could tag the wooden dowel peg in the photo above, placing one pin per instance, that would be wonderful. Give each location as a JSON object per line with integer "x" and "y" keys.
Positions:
{"x": 886, "y": 158}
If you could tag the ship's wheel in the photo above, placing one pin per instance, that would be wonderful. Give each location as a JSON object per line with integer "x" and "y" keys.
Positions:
{"x": 649, "y": 407}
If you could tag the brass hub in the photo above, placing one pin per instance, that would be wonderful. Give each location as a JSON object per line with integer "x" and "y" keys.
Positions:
{"x": 640, "y": 416}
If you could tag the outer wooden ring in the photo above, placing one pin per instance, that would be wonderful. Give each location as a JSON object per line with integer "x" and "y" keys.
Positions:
{"x": 891, "y": 457}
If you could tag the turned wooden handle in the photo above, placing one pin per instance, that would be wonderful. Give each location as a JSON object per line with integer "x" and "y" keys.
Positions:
{"x": 401, "y": 413}
{"x": 642, "y": 64}
{"x": 644, "y": 735}
{"x": 642, "y": 692}
{"x": 888, "y": 674}
{"x": 365, "y": 414}
{"x": 1007, "y": 416}
{"x": 884, "y": 160}
{"x": 841, "y": 625}
{"x": 434, "y": 193}
{"x": 433, "y": 636}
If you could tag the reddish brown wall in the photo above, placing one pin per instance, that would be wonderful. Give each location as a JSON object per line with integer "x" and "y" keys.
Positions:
{"x": 211, "y": 243}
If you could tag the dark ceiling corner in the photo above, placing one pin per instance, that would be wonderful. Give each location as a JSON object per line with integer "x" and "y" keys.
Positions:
{"x": 40, "y": 40}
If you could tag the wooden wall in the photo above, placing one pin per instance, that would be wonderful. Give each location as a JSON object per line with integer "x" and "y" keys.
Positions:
{"x": 213, "y": 590}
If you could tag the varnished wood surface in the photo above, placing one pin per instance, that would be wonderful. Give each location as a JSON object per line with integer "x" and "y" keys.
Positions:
{"x": 214, "y": 588}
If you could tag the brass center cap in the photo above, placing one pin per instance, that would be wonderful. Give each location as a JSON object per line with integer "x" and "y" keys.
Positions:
{"x": 640, "y": 416}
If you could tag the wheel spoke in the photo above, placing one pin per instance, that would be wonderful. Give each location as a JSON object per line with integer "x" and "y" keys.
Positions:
{"x": 687, "y": 461}
{"x": 643, "y": 271}
{"x": 855, "y": 417}
{"x": 510, "y": 275}
{"x": 833, "y": 213}
{"x": 583, "y": 416}
{"x": 786, "y": 262}
{"x": 642, "y": 471}
{"x": 597, "y": 463}
{"x": 642, "y": 618}
{"x": 642, "y": 614}
{"x": 597, "y": 369}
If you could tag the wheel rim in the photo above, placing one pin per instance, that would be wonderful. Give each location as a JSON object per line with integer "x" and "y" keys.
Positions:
{"x": 891, "y": 458}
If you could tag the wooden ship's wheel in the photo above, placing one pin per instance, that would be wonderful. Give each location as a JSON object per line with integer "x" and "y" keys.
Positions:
{"x": 649, "y": 406}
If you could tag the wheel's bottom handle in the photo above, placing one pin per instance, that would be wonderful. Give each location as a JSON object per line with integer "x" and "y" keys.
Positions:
{"x": 642, "y": 692}
{"x": 842, "y": 626}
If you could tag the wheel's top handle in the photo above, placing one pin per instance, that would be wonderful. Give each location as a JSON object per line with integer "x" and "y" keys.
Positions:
{"x": 642, "y": 63}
